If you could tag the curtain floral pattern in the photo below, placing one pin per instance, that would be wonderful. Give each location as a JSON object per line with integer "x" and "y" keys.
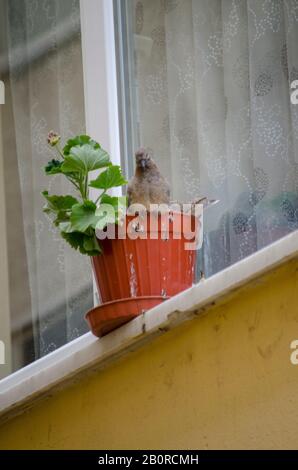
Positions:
{"x": 212, "y": 83}
{"x": 43, "y": 74}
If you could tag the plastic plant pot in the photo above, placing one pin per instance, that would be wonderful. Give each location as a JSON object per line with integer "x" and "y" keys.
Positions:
{"x": 149, "y": 259}
{"x": 156, "y": 263}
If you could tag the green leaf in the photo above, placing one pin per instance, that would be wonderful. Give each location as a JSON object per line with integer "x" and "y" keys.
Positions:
{"x": 60, "y": 206}
{"x": 110, "y": 210}
{"x": 84, "y": 159}
{"x": 87, "y": 245}
{"x": 75, "y": 239}
{"x": 114, "y": 201}
{"x": 110, "y": 178}
{"x": 58, "y": 203}
{"x": 83, "y": 216}
{"x": 66, "y": 227}
{"x": 79, "y": 140}
{"x": 118, "y": 202}
{"x": 90, "y": 246}
{"x": 106, "y": 214}
{"x": 53, "y": 167}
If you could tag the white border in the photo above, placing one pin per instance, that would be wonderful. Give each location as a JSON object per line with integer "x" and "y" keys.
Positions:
{"x": 102, "y": 122}
{"x": 87, "y": 352}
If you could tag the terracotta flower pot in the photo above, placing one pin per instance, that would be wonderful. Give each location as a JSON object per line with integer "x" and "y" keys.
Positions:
{"x": 142, "y": 271}
{"x": 147, "y": 266}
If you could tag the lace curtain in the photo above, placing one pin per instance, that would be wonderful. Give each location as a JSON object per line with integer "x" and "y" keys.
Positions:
{"x": 51, "y": 285}
{"x": 212, "y": 87}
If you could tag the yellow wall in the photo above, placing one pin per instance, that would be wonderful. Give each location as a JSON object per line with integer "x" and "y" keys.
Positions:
{"x": 224, "y": 380}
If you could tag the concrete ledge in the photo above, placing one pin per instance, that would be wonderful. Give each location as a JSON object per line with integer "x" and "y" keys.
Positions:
{"x": 86, "y": 354}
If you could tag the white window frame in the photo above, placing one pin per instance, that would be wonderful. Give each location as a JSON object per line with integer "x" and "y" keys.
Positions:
{"x": 100, "y": 76}
{"x": 5, "y": 327}
{"x": 100, "y": 82}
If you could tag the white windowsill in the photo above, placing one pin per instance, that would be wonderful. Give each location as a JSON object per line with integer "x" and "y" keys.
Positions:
{"x": 39, "y": 379}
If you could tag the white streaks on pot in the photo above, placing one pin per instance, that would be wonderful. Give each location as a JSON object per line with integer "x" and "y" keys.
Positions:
{"x": 191, "y": 269}
{"x": 133, "y": 284}
{"x": 164, "y": 276}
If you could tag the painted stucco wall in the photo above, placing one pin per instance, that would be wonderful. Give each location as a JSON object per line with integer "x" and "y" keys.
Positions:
{"x": 223, "y": 380}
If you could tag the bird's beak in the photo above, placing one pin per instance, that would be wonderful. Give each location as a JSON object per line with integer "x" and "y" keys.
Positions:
{"x": 143, "y": 163}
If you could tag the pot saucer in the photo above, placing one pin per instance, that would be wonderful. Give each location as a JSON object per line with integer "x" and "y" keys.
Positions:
{"x": 111, "y": 315}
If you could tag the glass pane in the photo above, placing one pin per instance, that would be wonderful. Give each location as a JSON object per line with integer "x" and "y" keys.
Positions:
{"x": 208, "y": 87}
{"x": 50, "y": 285}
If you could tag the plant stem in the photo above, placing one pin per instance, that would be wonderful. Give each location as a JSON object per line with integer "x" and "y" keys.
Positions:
{"x": 100, "y": 196}
{"x": 86, "y": 186}
{"x": 81, "y": 188}
{"x": 73, "y": 182}
{"x": 59, "y": 151}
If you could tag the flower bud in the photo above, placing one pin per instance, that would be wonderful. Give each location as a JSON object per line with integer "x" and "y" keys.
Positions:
{"x": 53, "y": 138}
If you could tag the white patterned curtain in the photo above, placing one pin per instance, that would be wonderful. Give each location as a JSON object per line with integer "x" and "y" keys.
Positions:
{"x": 43, "y": 73}
{"x": 212, "y": 82}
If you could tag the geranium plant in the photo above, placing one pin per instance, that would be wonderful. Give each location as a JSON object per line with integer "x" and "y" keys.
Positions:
{"x": 78, "y": 217}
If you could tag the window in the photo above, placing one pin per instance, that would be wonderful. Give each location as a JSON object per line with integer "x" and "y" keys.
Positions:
{"x": 206, "y": 86}
{"x": 46, "y": 286}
